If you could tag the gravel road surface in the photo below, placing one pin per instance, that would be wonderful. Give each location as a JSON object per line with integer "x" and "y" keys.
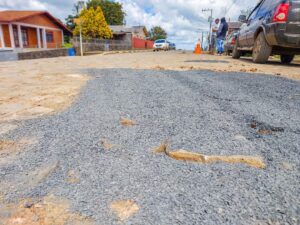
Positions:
{"x": 199, "y": 111}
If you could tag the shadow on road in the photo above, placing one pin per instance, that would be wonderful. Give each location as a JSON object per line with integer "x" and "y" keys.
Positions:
{"x": 206, "y": 61}
{"x": 277, "y": 63}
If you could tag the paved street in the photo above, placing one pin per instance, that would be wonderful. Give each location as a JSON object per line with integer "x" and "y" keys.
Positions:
{"x": 86, "y": 157}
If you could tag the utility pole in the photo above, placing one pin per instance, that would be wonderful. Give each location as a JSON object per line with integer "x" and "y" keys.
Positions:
{"x": 81, "y": 45}
{"x": 79, "y": 22}
{"x": 202, "y": 34}
{"x": 202, "y": 40}
{"x": 79, "y": 7}
{"x": 210, "y": 25}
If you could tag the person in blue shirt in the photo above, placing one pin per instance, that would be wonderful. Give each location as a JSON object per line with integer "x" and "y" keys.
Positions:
{"x": 221, "y": 35}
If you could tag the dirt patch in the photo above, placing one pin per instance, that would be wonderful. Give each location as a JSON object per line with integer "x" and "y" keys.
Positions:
{"x": 295, "y": 96}
{"x": 73, "y": 177}
{"x": 50, "y": 210}
{"x": 183, "y": 155}
{"x": 288, "y": 166}
{"x": 159, "y": 68}
{"x": 34, "y": 88}
{"x": 127, "y": 122}
{"x": 32, "y": 95}
{"x": 106, "y": 145}
{"x": 253, "y": 70}
{"x": 40, "y": 174}
{"x": 7, "y": 127}
{"x": 124, "y": 209}
{"x": 7, "y": 146}
{"x": 31, "y": 179}
{"x": 10, "y": 147}
{"x": 264, "y": 128}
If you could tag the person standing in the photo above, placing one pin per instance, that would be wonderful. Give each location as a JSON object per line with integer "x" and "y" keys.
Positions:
{"x": 214, "y": 30}
{"x": 221, "y": 35}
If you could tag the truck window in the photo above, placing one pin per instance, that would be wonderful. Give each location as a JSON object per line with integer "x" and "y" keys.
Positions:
{"x": 255, "y": 11}
{"x": 267, "y": 6}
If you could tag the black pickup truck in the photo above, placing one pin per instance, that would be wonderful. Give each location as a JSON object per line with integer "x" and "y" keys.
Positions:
{"x": 273, "y": 27}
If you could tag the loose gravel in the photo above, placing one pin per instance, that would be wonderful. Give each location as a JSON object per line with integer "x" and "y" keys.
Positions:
{"x": 200, "y": 111}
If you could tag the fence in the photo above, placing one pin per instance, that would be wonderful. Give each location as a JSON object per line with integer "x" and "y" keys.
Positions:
{"x": 90, "y": 45}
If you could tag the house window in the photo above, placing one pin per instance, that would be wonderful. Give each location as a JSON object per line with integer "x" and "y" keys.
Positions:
{"x": 24, "y": 37}
{"x": 16, "y": 36}
{"x": 49, "y": 36}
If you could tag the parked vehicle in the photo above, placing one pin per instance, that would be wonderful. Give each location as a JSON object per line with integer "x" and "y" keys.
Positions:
{"x": 230, "y": 42}
{"x": 161, "y": 44}
{"x": 172, "y": 46}
{"x": 273, "y": 27}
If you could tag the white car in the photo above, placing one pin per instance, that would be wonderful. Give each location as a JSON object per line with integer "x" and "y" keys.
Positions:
{"x": 161, "y": 44}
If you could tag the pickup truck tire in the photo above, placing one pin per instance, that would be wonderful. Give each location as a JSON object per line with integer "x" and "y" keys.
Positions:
{"x": 261, "y": 50}
{"x": 286, "y": 59}
{"x": 236, "y": 54}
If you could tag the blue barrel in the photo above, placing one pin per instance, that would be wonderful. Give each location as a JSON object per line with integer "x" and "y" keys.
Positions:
{"x": 71, "y": 52}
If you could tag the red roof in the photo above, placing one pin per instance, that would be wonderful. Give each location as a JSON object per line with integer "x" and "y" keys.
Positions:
{"x": 15, "y": 16}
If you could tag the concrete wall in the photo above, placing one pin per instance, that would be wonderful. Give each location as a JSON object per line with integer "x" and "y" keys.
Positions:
{"x": 8, "y": 56}
{"x": 43, "y": 54}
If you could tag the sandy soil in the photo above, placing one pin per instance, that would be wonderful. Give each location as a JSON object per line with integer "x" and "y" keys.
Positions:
{"x": 33, "y": 88}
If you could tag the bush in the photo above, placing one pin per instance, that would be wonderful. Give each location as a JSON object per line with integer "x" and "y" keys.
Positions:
{"x": 67, "y": 45}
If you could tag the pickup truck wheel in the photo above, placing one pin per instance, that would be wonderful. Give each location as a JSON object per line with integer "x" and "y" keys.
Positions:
{"x": 261, "y": 50}
{"x": 286, "y": 59}
{"x": 236, "y": 54}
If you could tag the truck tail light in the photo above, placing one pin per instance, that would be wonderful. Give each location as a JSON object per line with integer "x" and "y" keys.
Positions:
{"x": 281, "y": 13}
{"x": 233, "y": 41}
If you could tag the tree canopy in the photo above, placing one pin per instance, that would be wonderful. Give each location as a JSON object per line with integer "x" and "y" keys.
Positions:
{"x": 158, "y": 33}
{"x": 93, "y": 24}
{"x": 78, "y": 6}
{"x": 113, "y": 11}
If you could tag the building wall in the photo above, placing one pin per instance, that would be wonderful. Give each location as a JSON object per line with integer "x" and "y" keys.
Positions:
{"x": 0, "y": 39}
{"x": 41, "y": 20}
{"x": 6, "y": 36}
{"x": 32, "y": 38}
{"x": 140, "y": 34}
{"x": 57, "y": 39}
{"x": 142, "y": 44}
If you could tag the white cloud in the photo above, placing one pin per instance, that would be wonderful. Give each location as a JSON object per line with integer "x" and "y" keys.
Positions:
{"x": 180, "y": 18}
{"x": 59, "y": 8}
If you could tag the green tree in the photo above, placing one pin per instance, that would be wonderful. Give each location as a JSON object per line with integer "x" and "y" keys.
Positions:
{"x": 158, "y": 33}
{"x": 93, "y": 24}
{"x": 113, "y": 11}
{"x": 70, "y": 22}
{"x": 78, "y": 6}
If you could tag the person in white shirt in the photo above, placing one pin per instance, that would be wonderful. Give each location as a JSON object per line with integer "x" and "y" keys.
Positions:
{"x": 214, "y": 31}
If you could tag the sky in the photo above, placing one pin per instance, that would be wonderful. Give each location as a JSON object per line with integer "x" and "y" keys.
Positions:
{"x": 182, "y": 19}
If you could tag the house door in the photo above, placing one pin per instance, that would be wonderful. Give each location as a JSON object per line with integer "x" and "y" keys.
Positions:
{"x": 16, "y": 36}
